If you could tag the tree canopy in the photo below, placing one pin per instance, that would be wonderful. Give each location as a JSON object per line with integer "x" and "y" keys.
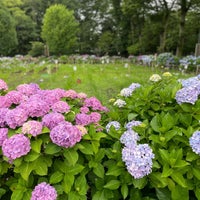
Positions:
{"x": 105, "y": 26}
{"x": 59, "y": 29}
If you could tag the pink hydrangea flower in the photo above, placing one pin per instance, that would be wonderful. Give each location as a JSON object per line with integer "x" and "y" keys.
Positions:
{"x": 95, "y": 104}
{"x": 36, "y": 107}
{"x": 84, "y": 109}
{"x": 16, "y": 117}
{"x": 82, "y": 95}
{"x": 4, "y": 102}
{"x": 3, "y": 112}
{"x": 32, "y": 127}
{"x": 14, "y": 97}
{"x": 61, "y": 107}
{"x": 28, "y": 89}
{"x": 3, "y": 135}
{"x": 3, "y": 85}
{"x": 51, "y": 120}
{"x": 71, "y": 94}
{"x": 95, "y": 117}
{"x": 16, "y": 146}
{"x": 82, "y": 119}
{"x": 44, "y": 191}
{"x": 65, "y": 135}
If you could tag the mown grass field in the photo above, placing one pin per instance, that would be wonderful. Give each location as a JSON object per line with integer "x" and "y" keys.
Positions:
{"x": 101, "y": 80}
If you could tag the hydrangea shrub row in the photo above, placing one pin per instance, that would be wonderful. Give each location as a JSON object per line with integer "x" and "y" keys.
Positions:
{"x": 159, "y": 130}
{"x": 49, "y": 140}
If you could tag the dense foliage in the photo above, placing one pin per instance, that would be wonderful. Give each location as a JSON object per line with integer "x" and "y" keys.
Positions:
{"x": 134, "y": 26}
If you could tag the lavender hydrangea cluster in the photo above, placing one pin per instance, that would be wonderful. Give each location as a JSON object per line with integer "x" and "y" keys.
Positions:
{"x": 189, "y": 92}
{"x": 29, "y": 109}
{"x": 114, "y": 124}
{"x": 32, "y": 127}
{"x": 138, "y": 160}
{"x": 16, "y": 146}
{"x": 195, "y": 142}
{"x": 137, "y": 157}
{"x": 44, "y": 191}
{"x": 65, "y": 135}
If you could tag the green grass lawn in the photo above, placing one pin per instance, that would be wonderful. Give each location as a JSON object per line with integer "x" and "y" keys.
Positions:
{"x": 101, "y": 80}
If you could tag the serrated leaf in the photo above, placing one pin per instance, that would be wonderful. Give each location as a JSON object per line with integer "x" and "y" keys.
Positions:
{"x": 114, "y": 170}
{"x": 166, "y": 171}
{"x": 68, "y": 181}
{"x": 178, "y": 178}
{"x": 99, "y": 170}
{"x": 163, "y": 194}
{"x": 31, "y": 156}
{"x": 168, "y": 122}
{"x": 155, "y": 123}
{"x": 75, "y": 169}
{"x": 196, "y": 172}
{"x": 112, "y": 185}
{"x": 99, "y": 195}
{"x": 36, "y": 145}
{"x": 180, "y": 193}
{"x": 86, "y": 148}
{"x": 164, "y": 155}
{"x": 52, "y": 148}
{"x": 2, "y": 192}
{"x": 71, "y": 155}
{"x": 18, "y": 194}
{"x": 81, "y": 185}
{"x": 140, "y": 183}
{"x": 25, "y": 169}
{"x": 56, "y": 177}
{"x": 124, "y": 191}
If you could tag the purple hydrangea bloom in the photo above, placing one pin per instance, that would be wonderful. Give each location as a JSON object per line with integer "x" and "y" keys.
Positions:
{"x": 61, "y": 107}
{"x": 32, "y": 127}
{"x": 65, "y": 135}
{"x": 82, "y": 119}
{"x": 3, "y": 135}
{"x": 36, "y": 107}
{"x": 95, "y": 117}
{"x": 71, "y": 94}
{"x": 44, "y": 191}
{"x": 4, "y": 102}
{"x": 84, "y": 109}
{"x": 190, "y": 82}
{"x": 16, "y": 146}
{"x": 16, "y": 117}
{"x": 28, "y": 89}
{"x": 138, "y": 160}
{"x": 115, "y": 124}
{"x": 132, "y": 123}
{"x": 51, "y": 120}
{"x": 3, "y": 85}
{"x": 187, "y": 95}
{"x": 129, "y": 138}
{"x": 133, "y": 86}
{"x": 126, "y": 92}
{"x": 195, "y": 142}
{"x": 3, "y": 112}
{"x": 14, "y": 97}
{"x": 94, "y": 103}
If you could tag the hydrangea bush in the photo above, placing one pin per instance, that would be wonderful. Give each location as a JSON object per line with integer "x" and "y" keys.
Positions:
{"x": 159, "y": 138}
{"x": 50, "y": 143}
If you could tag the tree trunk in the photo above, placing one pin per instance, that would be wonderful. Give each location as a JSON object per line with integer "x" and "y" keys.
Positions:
{"x": 180, "y": 45}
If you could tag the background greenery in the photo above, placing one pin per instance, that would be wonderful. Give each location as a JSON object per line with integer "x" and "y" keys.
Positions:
{"x": 115, "y": 27}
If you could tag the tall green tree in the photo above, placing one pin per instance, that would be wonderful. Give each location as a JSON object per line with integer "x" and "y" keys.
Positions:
{"x": 59, "y": 29}
{"x": 8, "y": 35}
{"x": 184, "y": 7}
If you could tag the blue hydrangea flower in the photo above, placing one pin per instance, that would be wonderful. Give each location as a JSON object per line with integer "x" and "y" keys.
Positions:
{"x": 138, "y": 160}
{"x": 187, "y": 95}
{"x": 195, "y": 142}
{"x": 115, "y": 124}
{"x": 132, "y": 123}
{"x": 126, "y": 92}
{"x": 129, "y": 138}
